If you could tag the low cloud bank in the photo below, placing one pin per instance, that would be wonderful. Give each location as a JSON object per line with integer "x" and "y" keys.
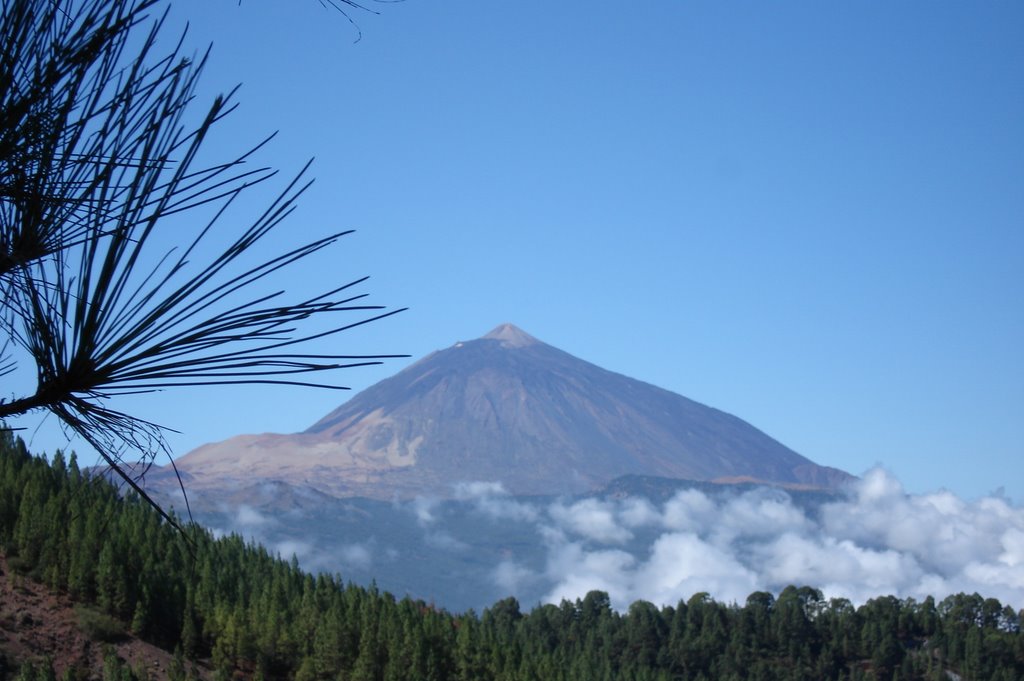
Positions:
{"x": 485, "y": 544}
{"x": 876, "y": 540}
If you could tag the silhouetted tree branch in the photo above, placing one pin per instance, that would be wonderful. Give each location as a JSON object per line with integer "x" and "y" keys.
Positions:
{"x": 98, "y": 162}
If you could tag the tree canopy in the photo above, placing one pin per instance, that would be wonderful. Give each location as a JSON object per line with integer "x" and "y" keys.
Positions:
{"x": 236, "y": 607}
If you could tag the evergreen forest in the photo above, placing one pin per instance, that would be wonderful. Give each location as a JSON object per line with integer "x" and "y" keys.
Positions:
{"x": 229, "y": 609}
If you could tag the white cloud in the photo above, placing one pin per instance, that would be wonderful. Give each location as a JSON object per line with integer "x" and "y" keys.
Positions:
{"x": 592, "y": 519}
{"x": 293, "y": 547}
{"x": 478, "y": 488}
{"x": 510, "y": 576}
{"x": 682, "y": 564}
{"x": 579, "y": 571}
{"x": 1013, "y": 548}
{"x": 839, "y": 567}
{"x": 356, "y": 556}
{"x": 494, "y": 501}
{"x": 247, "y": 516}
{"x": 689, "y": 509}
{"x": 638, "y": 512}
{"x": 875, "y": 540}
{"x": 423, "y": 509}
{"x": 939, "y": 530}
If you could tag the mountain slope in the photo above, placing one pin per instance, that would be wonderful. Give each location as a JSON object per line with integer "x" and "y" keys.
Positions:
{"x": 508, "y": 408}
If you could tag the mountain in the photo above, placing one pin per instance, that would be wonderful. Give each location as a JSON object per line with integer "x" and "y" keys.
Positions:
{"x": 508, "y": 408}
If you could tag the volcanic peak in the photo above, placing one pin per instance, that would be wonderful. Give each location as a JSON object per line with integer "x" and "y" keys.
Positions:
{"x": 508, "y": 408}
{"x": 511, "y": 336}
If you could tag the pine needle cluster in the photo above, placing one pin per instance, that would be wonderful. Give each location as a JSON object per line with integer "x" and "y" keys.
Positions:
{"x": 100, "y": 169}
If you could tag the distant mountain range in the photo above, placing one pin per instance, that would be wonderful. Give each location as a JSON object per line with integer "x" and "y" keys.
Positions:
{"x": 505, "y": 408}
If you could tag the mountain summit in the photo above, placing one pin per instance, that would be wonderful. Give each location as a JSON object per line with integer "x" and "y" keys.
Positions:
{"x": 511, "y": 336}
{"x": 508, "y": 408}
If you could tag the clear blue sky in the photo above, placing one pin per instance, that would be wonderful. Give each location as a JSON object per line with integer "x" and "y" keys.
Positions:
{"x": 810, "y": 215}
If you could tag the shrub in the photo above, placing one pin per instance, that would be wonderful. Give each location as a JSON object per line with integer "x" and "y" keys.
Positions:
{"x": 99, "y": 626}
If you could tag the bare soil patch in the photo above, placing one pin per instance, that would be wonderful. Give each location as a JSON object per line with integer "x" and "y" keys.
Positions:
{"x": 36, "y": 624}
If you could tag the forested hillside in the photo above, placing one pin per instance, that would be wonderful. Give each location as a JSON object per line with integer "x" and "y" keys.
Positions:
{"x": 250, "y": 614}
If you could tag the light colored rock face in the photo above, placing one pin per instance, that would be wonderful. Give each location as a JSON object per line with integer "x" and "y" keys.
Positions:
{"x": 506, "y": 408}
{"x": 356, "y": 464}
